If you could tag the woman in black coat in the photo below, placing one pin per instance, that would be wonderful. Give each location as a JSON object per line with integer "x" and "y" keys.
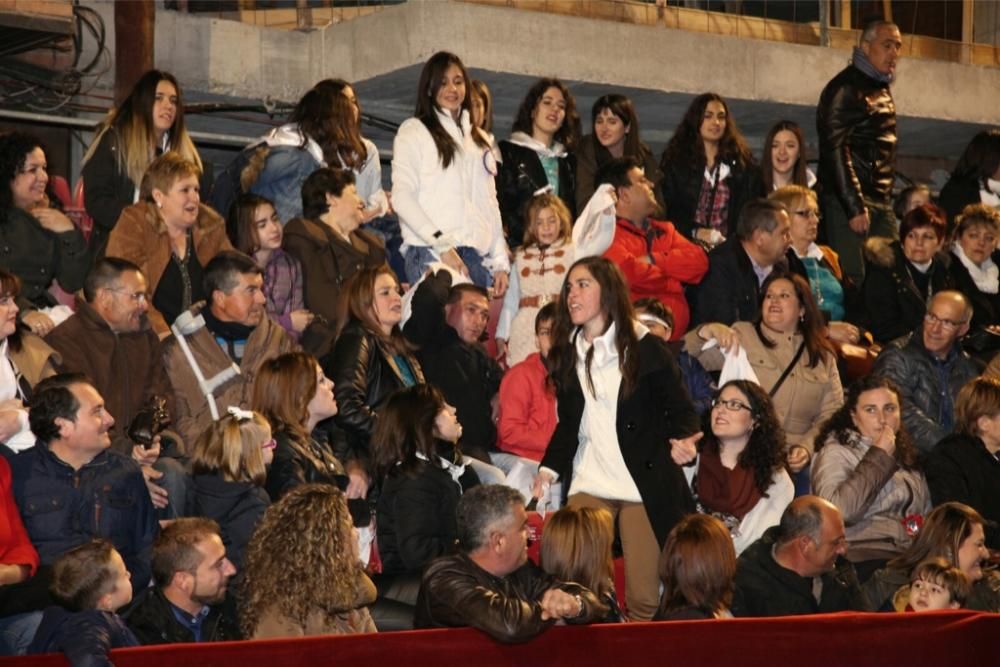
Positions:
{"x": 538, "y": 155}
{"x": 229, "y": 466}
{"x": 976, "y": 178}
{"x": 975, "y": 272}
{"x": 620, "y": 457}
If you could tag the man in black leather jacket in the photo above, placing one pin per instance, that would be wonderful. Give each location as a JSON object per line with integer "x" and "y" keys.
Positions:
{"x": 490, "y": 585}
{"x": 856, "y": 122}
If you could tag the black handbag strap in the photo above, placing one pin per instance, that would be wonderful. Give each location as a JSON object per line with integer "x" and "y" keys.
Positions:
{"x": 788, "y": 369}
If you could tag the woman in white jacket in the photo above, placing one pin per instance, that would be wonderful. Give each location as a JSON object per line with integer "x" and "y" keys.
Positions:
{"x": 443, "y": 182}
{"x": 739, "y": 475}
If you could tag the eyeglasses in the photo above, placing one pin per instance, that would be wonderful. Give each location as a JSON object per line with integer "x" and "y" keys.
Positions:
{"x": 270, "y": 444}
{"x": 732, "y": 405}
{"x": 137, "y": 297}
{"x": 808, "y": 213}
{"x": 932, "y": 319}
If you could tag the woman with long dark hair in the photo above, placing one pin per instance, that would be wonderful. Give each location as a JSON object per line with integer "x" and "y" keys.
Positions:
{"x": 708, "y": 172}
{"x": 148, "y": 123}
{"x": 866, "y": 465}
{"x": 739, "y": 476}
{"x": 614, "y": 134}
{"x": 620, "y": 402}
{"x": 783, "y": 161}
{"x": 976, "y": 177}
{"x": 443, "y": 186}
{"x": 698, "y": 571}
{"x": 539, "y": 154}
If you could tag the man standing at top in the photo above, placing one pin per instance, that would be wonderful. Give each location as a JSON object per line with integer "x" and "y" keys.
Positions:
{"x": 856, "y": 122}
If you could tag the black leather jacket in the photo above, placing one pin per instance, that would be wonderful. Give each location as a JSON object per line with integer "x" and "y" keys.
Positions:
{"x": 364, "y": 375}
{"x": 521, "y": 175}
{"x": 856, "y": 122}
{"x": 455, "y": 592}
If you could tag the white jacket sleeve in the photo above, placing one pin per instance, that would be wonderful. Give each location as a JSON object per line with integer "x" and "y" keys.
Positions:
{"x": 498, "y": 257}
{"x": 511, "y": 304}
{"x": 413, "y": 144}
{"x": 369, "y": 181}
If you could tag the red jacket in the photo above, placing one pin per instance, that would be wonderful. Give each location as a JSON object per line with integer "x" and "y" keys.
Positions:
{"x": 15, "y": 547}
{"x": 660, "y": 269}
{"x": 527, "y": 410}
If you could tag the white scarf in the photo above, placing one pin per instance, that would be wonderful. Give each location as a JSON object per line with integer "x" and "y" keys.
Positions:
{"x": 456, "y": 471}
{"x": 990, "y": 195}
{"x": 985, "y": 277}
{"x": 556, "y": 150}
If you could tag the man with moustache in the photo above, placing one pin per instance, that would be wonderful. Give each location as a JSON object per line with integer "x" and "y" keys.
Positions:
{"x": 191, "y": 575}
{"x": 856, "y": 122}
{"x": 109, "y": 340}
{"x": 233, "y": 333}
{"x": 71, "y": 489}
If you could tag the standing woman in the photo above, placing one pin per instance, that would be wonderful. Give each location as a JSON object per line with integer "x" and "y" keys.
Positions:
{"x": 708, "y": 172}
{"x": 443, "y": 184}
{"x": 148, "y": 123}
{"x": 784, "y": 158}
{"x": 976, "y": 178}
{"x": 171, "y": 236}
{"x": 538, "y": 154}
{"x": 621, "y": 404}
{"x": 371, "y": 359}
{"x": 38, "y": 244}
{"x": 739, "y": 475}
{"x": 615, "y": 134}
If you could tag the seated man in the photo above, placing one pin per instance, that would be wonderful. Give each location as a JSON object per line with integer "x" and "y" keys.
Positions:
{"x": 656, "y": 259}
{"x": 227, "y": 341}
{"x": 490, "y": 585}
{"x": 798, "y": 567}
{"x": 110, "y": 341}
{"x": 190, "y": 573}
{"x": 527, "y": 404}
{"x": 70, "y": 488}
{"x": 730, "y": 291}
{"x": 446, "y": 325}
{"x": 929, "y": 367}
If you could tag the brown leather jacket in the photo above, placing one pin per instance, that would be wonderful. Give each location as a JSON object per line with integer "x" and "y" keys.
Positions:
{"x": 141, "y": 237}
{"x": 455, "y": 592}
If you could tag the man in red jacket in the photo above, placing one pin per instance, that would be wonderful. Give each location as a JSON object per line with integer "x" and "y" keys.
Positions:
{"x": 656, "y": 259}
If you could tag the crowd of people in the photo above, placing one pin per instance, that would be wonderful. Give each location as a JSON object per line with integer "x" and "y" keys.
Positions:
{"x": 768, "y": 391}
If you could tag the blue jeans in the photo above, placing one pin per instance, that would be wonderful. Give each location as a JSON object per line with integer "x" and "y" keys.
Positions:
{"x": 18, "y": 631}
{"x": 418, "y": 257}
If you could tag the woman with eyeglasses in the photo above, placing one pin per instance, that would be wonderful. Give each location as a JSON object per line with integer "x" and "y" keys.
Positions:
{"x": 866, "y": 465}
{"x": 793, "y": 360}
{"x": 229, "y": 466}
{"x": 369, "y": 362}
{"x": 739, "y": 475}
{"x": 901, "y": 276}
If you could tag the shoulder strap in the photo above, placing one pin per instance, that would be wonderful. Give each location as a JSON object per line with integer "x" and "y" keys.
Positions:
{"x": 788, "y": 369}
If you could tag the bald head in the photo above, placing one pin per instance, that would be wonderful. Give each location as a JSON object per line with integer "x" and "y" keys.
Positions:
{"x": 947, "y": 320}
{"x": 811, "y": 536}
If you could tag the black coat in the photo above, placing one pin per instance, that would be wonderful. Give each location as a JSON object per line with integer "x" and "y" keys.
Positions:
{"x": 681, "y": 189}
{"x": 235, "y": 506}
{"x": 521, "y": 175}
{"x": 856, "y": 123}
{"x": 151, "y": 619}
{"x": 416, "y": 516}
{"x": 657, "y": 409}
{"x": 467, "y": 376}
{"x": 729, "y": 292}
{"x": 960, "y": 468}
{"x": 957, "y": 193}
{"x": 84, "y": 637}
{"x": 364, "y": 375}
{"x": 765, "y": 588}
{"x": 894, "y": 306}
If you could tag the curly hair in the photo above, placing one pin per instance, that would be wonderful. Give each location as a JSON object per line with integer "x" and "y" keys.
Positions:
{"x": 301, "y": 558}
{"x": 14, "y": 149}
{"x": 811, "y": 326}
{"x": 686, "y": 145}
{"x": 765, "y": 451}
{"x": 569, "y": 132}
{"x": 841, "y": 425}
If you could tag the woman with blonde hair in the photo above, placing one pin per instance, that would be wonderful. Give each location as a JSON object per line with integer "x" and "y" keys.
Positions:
{"x": 698, "y": 570}
{"x": 576, "y": 546}
{"x": 148, "y": 123}
{"x": 326, "y": 591}
{"x": 229, "y": 465}
{"x": 171, "y": 236}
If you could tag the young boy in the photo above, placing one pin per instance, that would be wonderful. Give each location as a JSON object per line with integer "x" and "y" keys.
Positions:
{"x": 937, "y": 584}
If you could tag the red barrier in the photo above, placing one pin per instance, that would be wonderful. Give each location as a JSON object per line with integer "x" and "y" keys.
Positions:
{"x": 940, "y": 639}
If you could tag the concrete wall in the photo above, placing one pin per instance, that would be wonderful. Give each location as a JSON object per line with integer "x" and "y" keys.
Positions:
{"x": 232, "y": 58}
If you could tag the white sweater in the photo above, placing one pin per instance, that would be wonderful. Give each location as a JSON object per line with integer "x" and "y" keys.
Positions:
{"x": 460, "y": 201}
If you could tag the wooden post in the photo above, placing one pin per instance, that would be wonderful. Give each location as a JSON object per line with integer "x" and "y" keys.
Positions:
{"x": 968, "y": 30}
{"x": 134, "y": 33}
{"x": 845, "y": 15}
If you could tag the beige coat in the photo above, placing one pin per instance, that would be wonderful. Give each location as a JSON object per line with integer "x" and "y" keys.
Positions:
{"x": 141, "y": 237}
{"x": 807, "y": 398}
{"x": 357, "y": 620}
{"x": 35, "y": 359}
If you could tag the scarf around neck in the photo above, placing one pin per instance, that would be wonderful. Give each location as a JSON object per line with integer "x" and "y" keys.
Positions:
{"x": 723, "y": 490}
{"x": 860, "y": 60}
{"x": 986, "y": 277}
